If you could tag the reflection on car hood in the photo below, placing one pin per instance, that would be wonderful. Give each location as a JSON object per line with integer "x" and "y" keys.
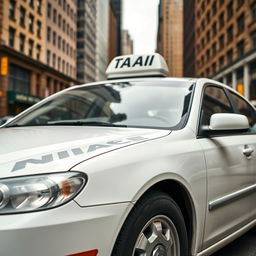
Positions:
{"x": 32, "y": 150}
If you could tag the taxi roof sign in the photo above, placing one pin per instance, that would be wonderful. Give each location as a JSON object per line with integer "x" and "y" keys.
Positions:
{"x": 137, "y": 66}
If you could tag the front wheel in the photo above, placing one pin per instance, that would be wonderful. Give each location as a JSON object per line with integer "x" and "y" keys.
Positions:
{"x": 155, "y": 227}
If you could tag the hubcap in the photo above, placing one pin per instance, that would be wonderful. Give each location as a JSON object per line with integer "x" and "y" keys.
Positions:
{"x": 159, "y": 251}
{"x": 158, "y": 237}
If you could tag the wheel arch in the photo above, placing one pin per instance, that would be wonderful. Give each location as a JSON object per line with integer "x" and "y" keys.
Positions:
{"x": 181, "y": 196}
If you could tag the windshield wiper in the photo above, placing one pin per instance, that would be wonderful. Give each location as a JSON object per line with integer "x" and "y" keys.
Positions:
{"x": 85, "y": 123}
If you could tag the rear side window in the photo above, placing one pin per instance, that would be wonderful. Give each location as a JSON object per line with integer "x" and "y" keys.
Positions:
{"x": 243, "y": 108}
{"x": 214, "y": 101}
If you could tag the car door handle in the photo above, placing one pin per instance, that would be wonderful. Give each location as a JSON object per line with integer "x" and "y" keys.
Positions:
{"x": 247, "y": 151}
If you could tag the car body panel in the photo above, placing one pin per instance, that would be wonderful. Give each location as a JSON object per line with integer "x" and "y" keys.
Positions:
{"x": 25, "y": 147}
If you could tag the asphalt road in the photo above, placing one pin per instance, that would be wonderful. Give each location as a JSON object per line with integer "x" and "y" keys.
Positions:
{"x": 243, "y": 246}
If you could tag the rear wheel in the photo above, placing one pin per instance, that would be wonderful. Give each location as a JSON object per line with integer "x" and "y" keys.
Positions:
{"x": 154, "y": 228}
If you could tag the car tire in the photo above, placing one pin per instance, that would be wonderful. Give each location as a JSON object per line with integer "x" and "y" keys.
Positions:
{"x": 155, "y": 227}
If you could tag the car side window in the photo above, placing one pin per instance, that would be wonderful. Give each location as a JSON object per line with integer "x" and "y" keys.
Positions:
{"x": 244, "y": 108}
{"x": 214, "y": 101}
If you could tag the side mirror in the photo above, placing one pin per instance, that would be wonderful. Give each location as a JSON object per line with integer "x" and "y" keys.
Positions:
{"x": 226, "y": 123}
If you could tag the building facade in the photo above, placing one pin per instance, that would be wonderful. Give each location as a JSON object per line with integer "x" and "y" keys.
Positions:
{"x": 112, "y": 37}
{"x": 102, "y": 39}
{"x": 127, "y": 43}
{"x": 117, "y": 6}
{"x": 170, "y": 35}
{"x": 60, "y": 35}
{"x": 226, "y": 43}
{"x": 86, "y": 40}
{"x": 189, "y": 39}
{"x": 25, "y": 77}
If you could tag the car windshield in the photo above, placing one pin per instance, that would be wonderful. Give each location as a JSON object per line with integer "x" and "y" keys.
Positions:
{"x": 159, "y": 104}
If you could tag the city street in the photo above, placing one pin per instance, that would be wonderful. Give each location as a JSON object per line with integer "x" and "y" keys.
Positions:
{"x": 243, "y": 246}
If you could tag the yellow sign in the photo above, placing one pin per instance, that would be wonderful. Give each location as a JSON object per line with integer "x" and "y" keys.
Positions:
{"x": 240, "y": 89}
{"x": 4, "y": 66}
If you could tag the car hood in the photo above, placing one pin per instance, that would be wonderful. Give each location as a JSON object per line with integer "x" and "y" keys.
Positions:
{"x": 47, "y": 149}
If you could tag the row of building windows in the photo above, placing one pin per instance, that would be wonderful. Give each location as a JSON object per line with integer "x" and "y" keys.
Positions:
{"x": 222, "y": 18}
{"x": 22, "y": 42}
{"x": 225, "y": 59}
{"x": 31, "y": 21}
{"x": 215, "y": 6}
{"x": 230, "y": 33}
{"x": 12, "y": 7}
{"x": 61, "y": 22}
{"x": 240, "y": 47}
{"x": 59, "y": 64}
{"x": 56, "y": 40}
{"x": 52, "y": 12}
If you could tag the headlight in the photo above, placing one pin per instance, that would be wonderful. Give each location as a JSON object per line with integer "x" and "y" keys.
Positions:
{"x": 39, "y": 192}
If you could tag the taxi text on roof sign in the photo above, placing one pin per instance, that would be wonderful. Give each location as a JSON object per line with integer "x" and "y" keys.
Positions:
{"x": 137, "y": 66}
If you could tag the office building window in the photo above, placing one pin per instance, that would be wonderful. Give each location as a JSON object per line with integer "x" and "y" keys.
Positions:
{"x": 230, "y": 33}
{"x": 221, "y": 42}
{"x": 63, "y": 45}
{"x": 214, "y": 67}
{"x": 54, "y": 38}
{"x": 22, "y": 16}
{"x": 31, "y": 23}
{"x": 22, "y": 42}
{"x": 214, "y": 29}
{"x": 49, "y": 10}
{"x": 48, "y": 57}
{"x": 239, "y": 3}
{"x": 208, "y": 54}
{"x": 64, "y": 25}
{"x": 38, "y": 29}
{"x": 12, "y": 4}
{"x": 59, "y": 42}
{"x": 208, "y": 36}
{"x": 59, "y": 20}
{"x": 253, "y": 8}
{"x": 53, "y": 60}
{"x": 208, "y": 16}
{"x": 230, "y": 56}
{"x": 30, "y": 47}
{"x": 38, "y": 52}
{"x": 59, "y": 63}
{"x": 31, "y": 3}
{"x": 240, "y": 24}
{"x": 63, "y": 66}
{"x": 64, "y": 5}
{"x": 54, "y": 16}
{"x": 230, "y": 10}
{"x": 221, "y": 61}
{"x": 49, "y": 34}
{"x": 221, "y": 20}
{"x": 240, "y": 49}
{"x": 11, "y": 36}
{"x": 214, "y": 48}
{"x": 39, "y": 6}
{"x": 214, "y": 7}
{"x": 253, "y": 35}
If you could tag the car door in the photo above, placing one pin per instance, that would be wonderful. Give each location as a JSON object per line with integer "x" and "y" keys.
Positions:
{"x": 230, "y": 172}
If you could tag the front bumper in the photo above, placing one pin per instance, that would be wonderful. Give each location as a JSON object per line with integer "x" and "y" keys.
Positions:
{"x": 65, "y": 230}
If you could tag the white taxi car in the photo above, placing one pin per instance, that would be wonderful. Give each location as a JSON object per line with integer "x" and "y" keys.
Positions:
{"x": 138, "y": 165}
